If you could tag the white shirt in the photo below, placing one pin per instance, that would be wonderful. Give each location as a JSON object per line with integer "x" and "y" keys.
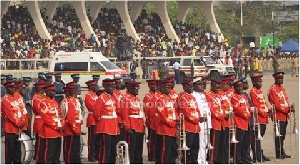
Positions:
{"x": 230, "y": 63}
{"x": 204, "y": 108}
{"x": 176, "y": 65}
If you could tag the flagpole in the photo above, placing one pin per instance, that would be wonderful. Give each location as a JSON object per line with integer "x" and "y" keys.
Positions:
{"x": 273, "y": 32}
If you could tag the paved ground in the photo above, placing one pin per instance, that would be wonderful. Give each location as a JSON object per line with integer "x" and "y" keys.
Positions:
{"x": 292, "y": 147}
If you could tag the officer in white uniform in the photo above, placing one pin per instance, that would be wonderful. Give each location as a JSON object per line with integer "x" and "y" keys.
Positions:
{"x": 199, "y": 94}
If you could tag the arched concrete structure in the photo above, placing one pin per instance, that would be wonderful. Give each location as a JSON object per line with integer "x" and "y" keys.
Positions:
{"x": 4, "y": 7}
{"x": 34, "y": 10}
{"x": 161, "y": 8}
{"x": 95, "y": 7}
{"x": 184, "y": 8}
{"x": 80, "y": 9}
{"x": 51, "y": 9}
{"x": 136, "y": 7}
{"x": 122, "y": 7}
{"x": 208, "y": 9}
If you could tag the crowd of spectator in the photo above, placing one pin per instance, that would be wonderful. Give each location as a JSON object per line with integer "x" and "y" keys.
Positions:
{"x": 20, "y": 40}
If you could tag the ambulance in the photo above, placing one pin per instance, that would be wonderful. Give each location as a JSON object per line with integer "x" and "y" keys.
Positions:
{"x": 86, "y": 64}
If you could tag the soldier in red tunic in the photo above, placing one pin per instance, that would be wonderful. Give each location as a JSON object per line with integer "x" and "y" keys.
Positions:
{"x": 189, "y": 108}
{"x": 166, "y": 130}
{"x": 118, "y": 96}
{"x": 217, "y": 118}
{"x": 259, "y": 102}
{"x": 90, "y": 99}
{"x": 278, "y": 97}
{"x": 50, "y": 135}
{"x": 14, "y": 122}
{"x": 72, "y": 127}
{"x": 38, "y": 122}
{"x": 133, "y": 120}
{"x": 148, "y": 105}
{"x": 105, "y": 114}
{"x": 227, "y": 108}
{"x": 241, "y": 110}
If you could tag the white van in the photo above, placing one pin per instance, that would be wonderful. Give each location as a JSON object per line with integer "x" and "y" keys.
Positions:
{"x": 86, "y": 64}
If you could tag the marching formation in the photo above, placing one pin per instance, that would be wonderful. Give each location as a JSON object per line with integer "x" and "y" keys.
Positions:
{"x": 223, "y": 125}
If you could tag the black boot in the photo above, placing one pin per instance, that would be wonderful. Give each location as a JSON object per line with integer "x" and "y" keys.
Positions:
{"x": 264, "y": 157}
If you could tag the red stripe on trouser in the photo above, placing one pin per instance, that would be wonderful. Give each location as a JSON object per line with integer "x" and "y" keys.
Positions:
{"x": 89, "y": 142}
{"x": 38, "y": 150}
{"x": 6, "y": 149}
{"x": 149, "y": 145}
{"x": 213, "y": 150}
{"x": 104, "y": 148}
{"x": 70, "y": 149}
{"x": 65, "y": 148}
{"x": 235, "y": 145}
{"x": 46, "y": 150}
{"x": 163, "y": 150}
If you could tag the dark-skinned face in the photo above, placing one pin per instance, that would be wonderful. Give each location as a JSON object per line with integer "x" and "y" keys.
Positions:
{"x": 165, "y": 89}
{"x": 73, "y": 93}
{"x": 238, "y": 88}
{"x": 109, "y": 88}
{"x": 22, "y": 91}
{"x": 118, "y": 85}
{"x": 257, "y": 84}
{"x": 93, "y": 88}
{"x": 224, "y": 87}
{"x": 198, "y": 87}
{"x": 215, "y": 87}
{"x": 75, "y": 80}
{"x": 152, "y": 87}
{"x": 188, "y": 88}
{"x": 50, "y": 93}
{"x": 279, "y": 80}
{"x": 10, "y": 90}
{"x": 245, "y": 86}
{"x": 134, "y": 90}
{"x": 3, "y": 81}
{"x": 26, "y": 83}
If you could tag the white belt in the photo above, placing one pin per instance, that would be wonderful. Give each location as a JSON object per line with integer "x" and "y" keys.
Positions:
{"x": 135, "y": 116}
{"x": 90, "y": 112}
{"x": 78, "y": 95}
{"x": 29, "y": 101}
{"x": 77, "y": 121}
{"x": 59, "y": 94}
{"x": 108, "y": 117}
{"x": 38, "y": 117}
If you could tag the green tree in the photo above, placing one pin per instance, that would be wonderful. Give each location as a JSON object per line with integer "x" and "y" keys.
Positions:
{"x": 291, "y": 31}
{"x": 173, "y": 10}
{"x": 197, "y": 18}
{"x": 150, "y": 8}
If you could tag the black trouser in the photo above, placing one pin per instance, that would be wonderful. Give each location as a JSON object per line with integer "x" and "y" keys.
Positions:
{"x": 224, "y": 147}
{"x": 72, "y": 149}
{"x": 133, "y": 76}
{"x": 215, "y": 136}
{"x": 29, "y": 112}
{"x": 49, "y": 151}
{"x": 247, "y": 143}
{"x": 37, "y": 139}
{"x": 91, "y": 142}
{"x": 279, "y": 139}
{"x": 12, "y": 149}
{"x": 166, "y": 149}
{"x": 192, "y": 142}
{"x": 240, "y": 146}
{"x": 107, "y": 152}
{"x": 135, "y": 143}
{"x": 122, "y": 133}
{"x": 256, "y": 144}
{"x": 151, "y": 144}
